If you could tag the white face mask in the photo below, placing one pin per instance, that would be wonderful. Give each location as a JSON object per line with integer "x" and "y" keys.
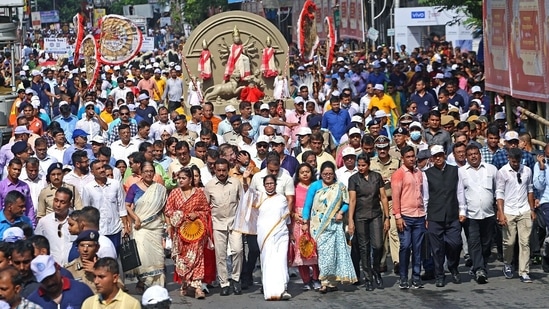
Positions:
{"x": 415, "y": 135}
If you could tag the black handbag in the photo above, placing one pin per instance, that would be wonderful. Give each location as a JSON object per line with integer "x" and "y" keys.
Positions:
{"x": 129, "y": 255}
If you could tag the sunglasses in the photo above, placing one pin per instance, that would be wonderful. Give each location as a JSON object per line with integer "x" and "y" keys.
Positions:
{"x": 262, "y": 145}
{"x": 124, "y": 114}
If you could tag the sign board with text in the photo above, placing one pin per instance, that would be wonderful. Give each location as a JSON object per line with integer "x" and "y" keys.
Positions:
{"x": 55, "y": 45}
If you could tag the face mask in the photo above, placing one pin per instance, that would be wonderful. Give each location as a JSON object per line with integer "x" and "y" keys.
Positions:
{"x": 242, "y": 169}
{"x": 415, "y": 135}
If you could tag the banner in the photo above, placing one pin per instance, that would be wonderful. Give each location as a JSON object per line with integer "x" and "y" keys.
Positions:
{"x": 49, "y": 17}
{"x": 56, "y": 45}
{"x": 148, "y": 44}
{"x": 97, "y": 15}
{"x": 516, "y": 39}
{"x": 36, "y": 23}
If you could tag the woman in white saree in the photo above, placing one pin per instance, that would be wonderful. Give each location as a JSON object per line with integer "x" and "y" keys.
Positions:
{"x": 145, "y": 202}
{"x": 272, "y": 238}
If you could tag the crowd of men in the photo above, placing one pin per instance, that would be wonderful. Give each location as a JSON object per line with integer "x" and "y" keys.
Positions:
{"x": 459, "y": 177}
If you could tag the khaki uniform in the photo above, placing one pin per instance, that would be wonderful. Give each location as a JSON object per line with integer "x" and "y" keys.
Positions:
{"x": 45, "y": 199}
{"x": 392, "y": 242}
{"x": 232, "y": 138}
{"x": 190, "y": 137}
{"x": 76, "y": 268}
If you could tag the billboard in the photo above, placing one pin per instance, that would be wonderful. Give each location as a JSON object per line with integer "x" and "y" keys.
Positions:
{"x": 516, "y": 38}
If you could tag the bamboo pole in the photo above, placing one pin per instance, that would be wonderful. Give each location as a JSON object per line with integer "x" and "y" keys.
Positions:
{"x": 534, "y": 116}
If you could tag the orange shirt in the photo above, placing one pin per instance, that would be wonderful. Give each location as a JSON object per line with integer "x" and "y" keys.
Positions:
{"x": 407, "y": 193}
{"x": 215, "y": 121}
{"x": 36, "y": 126}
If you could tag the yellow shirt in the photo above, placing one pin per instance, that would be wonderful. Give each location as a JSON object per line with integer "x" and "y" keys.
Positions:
{"x": 161, "y": 85}
{"x": 122, "y": 300}
{"x": 385, "y": 104}
{"x": 106, "y": 117}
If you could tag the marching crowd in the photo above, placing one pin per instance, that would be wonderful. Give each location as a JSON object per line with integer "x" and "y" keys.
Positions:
{"x": 404, "y": 158}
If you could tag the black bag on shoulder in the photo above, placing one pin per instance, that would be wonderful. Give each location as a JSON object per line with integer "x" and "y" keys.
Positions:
{"x": 129, "y": 255}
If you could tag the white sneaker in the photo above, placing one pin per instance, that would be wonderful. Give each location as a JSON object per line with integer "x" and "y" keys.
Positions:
{"x": 316, "y": 285}
{"x": 286, "y": 295}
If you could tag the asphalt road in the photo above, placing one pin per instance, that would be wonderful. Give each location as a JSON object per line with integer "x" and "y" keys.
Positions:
{"x": 497, "y": 293}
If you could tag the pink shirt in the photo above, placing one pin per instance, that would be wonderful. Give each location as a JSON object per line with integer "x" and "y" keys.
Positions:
{"x": 301, "y": 120}
{"x": 407, "y": 192}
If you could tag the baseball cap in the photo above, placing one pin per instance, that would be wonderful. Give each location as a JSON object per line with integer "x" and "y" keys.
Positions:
{"x": 380, "y": 114}
{"x": 230, "y": 109}
{"x": 131, "y": 107}
{"x": 379, "y": 87}
{"x": 348, "y": 151}
{"x": 342, "y": 70}
{"x": 154, "y": 295}
{"x": 142, "y": 97}
{"x": 63, "y": 103}
{"x": 29, "y": 91}
{"x": 340, "y": 59}
{"x": 98, "y": 139}
{"x": 356, "y": 118}
{"x": 299, "y": 100}
{"x": 89, "y": 103}
{"x": 354, "y": 130}
{"x": 381, "y": 141}
{"x": 301, "y": 68}
{"x": 500, "y": 116}
{"x": 178, "y": 68}
{"x": 262, "y": 139}
{"x": 42, "y": 267}
{"x": 304, "y": 131}
{"x": 511, "y": 135}
{"x": 439, "y": 76}
{"x": 264, "y": 106}
{"x": 13, "y": 234}
{"x": 436, "y": 149}
{"x": 79, "y": 132}
{"x": 423, "y": 154}
{"x": 415, "y": 124}
{"x": 475, "y": 89}
{"x": 278, "y": 140}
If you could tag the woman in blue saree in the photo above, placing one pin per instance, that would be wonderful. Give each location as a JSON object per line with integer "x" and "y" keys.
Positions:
{"x": 325, "y": 205}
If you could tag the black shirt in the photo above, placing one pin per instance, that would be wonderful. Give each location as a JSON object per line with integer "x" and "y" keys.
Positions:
{"x": 368, "y": 200}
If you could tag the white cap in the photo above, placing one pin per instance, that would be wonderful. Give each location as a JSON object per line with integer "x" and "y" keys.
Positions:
{"x": 348, "y": 151}
{"x": 29, "y": 91}
{"x": 22, "y": 73}
{"x": 156, "y": 65}
{"x": 148, "y": 67}
{"x": 178, "y": 68}
{"x": 89, "y": 103}
{"x": 26, "y": 68}
{"x": 301, "y": 68}
{"x": 35, "y": 73}
{"x": 171, "y": 64}
{"x": 356, "y": 118}
{"x": 354, "y": 130}
{"x": 476, "y": 89}
{"x": 298, "y": 100}
{"x": 340, "y": 59}
{"x": 278, "y": 140}
{"x": 415, "y": 124}
{"x": 304, "y": 131}
{"x": 500, "y": 116}
{"x": 379, "y": 87}
{"x": 35, "y": 104}
{"x": 511, "y": 135}
{"x": 142, "y": 97}
{"x": 230, "y": 109}
{"x": 360, "y": 61}
{"x": 455, "y": 67}
{"x": 63, "y": 103}
{"x": 157, "y": 71}
{"x": 42, "y": 267}
{"x": 13, "y": 234}
{"x": 439, "y": 76}
{"x": 436, "y": 149}
{"x": 264, "y": 106}
{"x": 263, "y": 139}
{"x": 106, "y": 68}
{"x": 154, "y": 295}
{"x": 98, "y": 139}
{"x": 131, "y": 107}
{"x": 116, "y": 67}
{"x": 380, "y": 114}
{"x": 336, "y": 93}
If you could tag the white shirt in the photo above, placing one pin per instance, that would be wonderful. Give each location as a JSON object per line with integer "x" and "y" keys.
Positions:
{"x": 109, "y": 200}
{"x": 77, "y": 181}
{"x": 476, "y": 191}
{"x": 35, "y": 186}
{"x": 195, "y": 127}
{"x": 118, "y": 93}
{"x": 57, "y": 153}
{"x": 158, "y": 128}
{"x": 60, "y": 246}
{"x": 106, "y": 248}
{"x": 90, "y": 126}
{"x": 205, "y": 175}
{"x": 45, "y": 164}
{"x": 121, "y": 152}
{"x": 513, "y": 194}
{"x": 250, "y": 148}
{"x": 343, "y": 174}
{"x": 284, "y": 182}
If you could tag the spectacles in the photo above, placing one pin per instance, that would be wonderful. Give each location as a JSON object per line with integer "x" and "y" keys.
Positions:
{"x": 262, "y": 145}
{"x": 519, "y": 179}
{"x": 327, "y": 174}
{"x": 59, "y": 233}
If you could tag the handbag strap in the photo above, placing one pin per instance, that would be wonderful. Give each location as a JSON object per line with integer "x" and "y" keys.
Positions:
{"x": 272, "y": 229}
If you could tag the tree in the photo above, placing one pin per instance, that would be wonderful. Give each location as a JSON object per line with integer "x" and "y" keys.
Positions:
{"x": 473, "y": 9}
{"x": 196, "y": 11}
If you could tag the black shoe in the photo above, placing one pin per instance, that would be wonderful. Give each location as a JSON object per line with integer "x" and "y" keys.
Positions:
{"x": 468, "y": 262}
{"x": 481, "y": 277}
{"x": 500, "y": 257}
{"x": 246, "y": 284}
{"x": 379, "y": 280}
{"x": 396, "y": 269}
{"x": 383, "y": 269}
{"x": 237, "y": 288}
{"x": 403, "y": 284}
{"x": 428, "y": 275}
{"x": 417, "y": 284}
{"x": 225, "y": 291}
{"x": 369, "y": 285}
{"x": 439, "y": 283}
{"x": 456, "y": 277}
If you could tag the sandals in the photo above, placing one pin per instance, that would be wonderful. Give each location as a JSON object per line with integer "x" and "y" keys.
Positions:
{"x": 323, "y": 289}
{"x": 199, "y": 294}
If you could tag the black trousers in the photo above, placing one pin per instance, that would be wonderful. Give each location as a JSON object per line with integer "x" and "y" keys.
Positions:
{"x": 370, "y": 242}
{"x": 479, "y": 238}
{"x": 248, "y": 264}
{"x": 445, "y": 242}
{"x": 173, "y": 105}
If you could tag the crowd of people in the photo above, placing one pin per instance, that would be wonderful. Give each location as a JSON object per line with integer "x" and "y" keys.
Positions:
{"x": 406, "y": 158}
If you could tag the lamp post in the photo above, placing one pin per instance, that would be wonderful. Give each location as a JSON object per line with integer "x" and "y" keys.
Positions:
{"x": 337, "y": 19}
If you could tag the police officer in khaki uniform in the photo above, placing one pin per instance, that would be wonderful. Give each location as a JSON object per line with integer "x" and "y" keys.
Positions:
{"x": 181, "y": 132}
{"x": 82, "y": 267}
{"x": 386, "y": 166}
{"x": 233, "y": 137}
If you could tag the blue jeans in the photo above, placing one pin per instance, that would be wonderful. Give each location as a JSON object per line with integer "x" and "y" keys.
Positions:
{"x": 411, "y": 239}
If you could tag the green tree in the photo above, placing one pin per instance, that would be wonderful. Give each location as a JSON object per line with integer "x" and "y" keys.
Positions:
{"x": 473, "y": 8}
{"x": 196, "y": 11}
{"x": 117, "y": 6}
